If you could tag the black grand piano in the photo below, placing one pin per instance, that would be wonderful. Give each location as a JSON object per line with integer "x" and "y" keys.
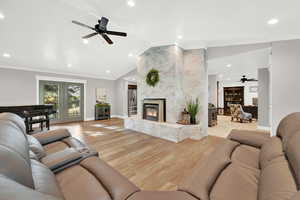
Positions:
{"x": 32, "y": 114}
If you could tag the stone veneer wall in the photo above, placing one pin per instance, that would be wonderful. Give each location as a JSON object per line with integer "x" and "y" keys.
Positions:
{"x": 183, "y": 75}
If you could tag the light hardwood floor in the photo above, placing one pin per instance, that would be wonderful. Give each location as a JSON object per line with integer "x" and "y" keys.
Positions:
{"x": 151, "y": 163}
{"x": 225, "y": 125}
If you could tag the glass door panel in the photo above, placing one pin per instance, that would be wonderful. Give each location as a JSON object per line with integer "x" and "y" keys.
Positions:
{"x": 67, "y": 98}
{"x": 50, "y": 94}
{"x": 73, "y": 101}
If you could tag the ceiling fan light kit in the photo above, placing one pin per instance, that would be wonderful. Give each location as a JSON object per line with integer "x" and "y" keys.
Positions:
{"x": 101, "y": 29}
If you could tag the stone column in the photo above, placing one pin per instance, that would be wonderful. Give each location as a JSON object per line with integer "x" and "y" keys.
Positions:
{"x": 183, "y": 76}
{"x": 195, "y": 85}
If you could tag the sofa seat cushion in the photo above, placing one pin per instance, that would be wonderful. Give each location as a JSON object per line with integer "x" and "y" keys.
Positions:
{"x": 276, "y": 181}
{"x": 77, "y": 183}
{"x": 55, "y": 147}
{"x": 246, "y": 155}
{"x": 165, "y": 195}
{"x": 93, "y": 179}
{"x": 235, "y": 183}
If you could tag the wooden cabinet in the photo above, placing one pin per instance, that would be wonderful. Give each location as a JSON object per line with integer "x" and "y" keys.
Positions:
{"x": 233, "y": 95}
{"x": 102, "y": 112}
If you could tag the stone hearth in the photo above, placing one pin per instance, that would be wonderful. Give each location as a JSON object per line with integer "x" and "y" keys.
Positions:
{"x": 183, "y": 76}
{"x": 168, "y": 131}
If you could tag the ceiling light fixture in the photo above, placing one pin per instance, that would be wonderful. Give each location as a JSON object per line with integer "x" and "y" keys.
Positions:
{"x": 69, "y": 65}
{"x": 273, "y": 21}
{"x": 130, "y": 55}
{"x": 179, "y": 37}
{"x": 85, "y": 41}
{"x": 229, "y": 65}
{"x": 6, "y": 55}
{"x": 107, "y": 71}
{"x": 2, "y": 16}
{"x": 130, "y": 3}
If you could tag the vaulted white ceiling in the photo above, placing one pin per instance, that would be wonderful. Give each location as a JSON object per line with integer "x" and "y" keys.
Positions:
{"x": 39, "y": 35}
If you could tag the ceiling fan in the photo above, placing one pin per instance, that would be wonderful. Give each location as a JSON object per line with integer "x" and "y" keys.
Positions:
{"x": 244, "y": 79}
{"x": 101, "y": 29}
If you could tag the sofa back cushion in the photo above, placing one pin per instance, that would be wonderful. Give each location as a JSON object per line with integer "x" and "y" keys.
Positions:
{"x": 206, "y": 172}
{"x": 16, "y": 119}
{"x": 14, "y": 154}
{"x": 288, "y": 126}
{"x": 276, "y": 181}
{"x": 292, "y": 152}
{"x": 269, "y": 151}
{"x": 36, "y": 147}
{"x": 44, "y": 180}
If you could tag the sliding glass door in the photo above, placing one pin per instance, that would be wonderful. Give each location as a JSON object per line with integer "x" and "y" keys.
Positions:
{"x": 67, "y": 98}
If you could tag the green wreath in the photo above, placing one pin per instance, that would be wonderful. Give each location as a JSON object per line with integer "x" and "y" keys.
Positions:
{"x": 152, "y": 77}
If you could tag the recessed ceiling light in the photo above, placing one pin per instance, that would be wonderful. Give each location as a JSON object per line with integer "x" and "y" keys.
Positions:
{"x": 273, "y": 21}
{"x": 2, "y": 16}
{"x": 85, "y": 41}
{"x": 131, "y": 3}
{"x": 69, "y": 65}
{"x": 107, "y": 71}
{"x": 6, "y": 55}
{"x": 229, "y": 65}
{"x": 179, "y": 37}
{"x": 130, "y": 55}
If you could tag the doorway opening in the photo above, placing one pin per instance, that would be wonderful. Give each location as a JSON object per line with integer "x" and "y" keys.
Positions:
{"x": 132, "y": 100}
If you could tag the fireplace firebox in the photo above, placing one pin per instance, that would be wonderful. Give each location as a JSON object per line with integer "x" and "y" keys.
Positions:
{"x": 154, "y": 110}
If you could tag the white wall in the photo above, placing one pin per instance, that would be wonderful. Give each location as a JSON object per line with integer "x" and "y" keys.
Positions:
{"x": 285, "y": 86}
{"x": 212, "y": 89}
{"x": 264, "y": 98}
{"x": 247, "y": 95}
{"x": 19, "y": 87}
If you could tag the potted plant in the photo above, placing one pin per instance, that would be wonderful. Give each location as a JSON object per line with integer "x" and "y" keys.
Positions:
{"x": 193, "y": 109}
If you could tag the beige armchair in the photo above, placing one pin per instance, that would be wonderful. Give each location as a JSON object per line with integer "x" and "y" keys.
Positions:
{"x": 238, "y": 113}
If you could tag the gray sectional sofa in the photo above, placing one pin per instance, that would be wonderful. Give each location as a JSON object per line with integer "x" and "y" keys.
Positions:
{"x": 249, "y": 165}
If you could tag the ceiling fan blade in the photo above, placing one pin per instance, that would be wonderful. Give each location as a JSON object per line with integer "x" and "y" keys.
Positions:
{"x": 116, "y": 33}
{"x": 252, "y": 79}
{"x": 89, "y": 35}
{"x": 103, "y": 23}
{"x": 83, "y": 25}
{"x": 108, "y": 40}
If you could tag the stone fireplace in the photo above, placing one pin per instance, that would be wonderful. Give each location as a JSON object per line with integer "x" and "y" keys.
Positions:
{"x": 183, "y": 76}
{"x": 154, "y": 110}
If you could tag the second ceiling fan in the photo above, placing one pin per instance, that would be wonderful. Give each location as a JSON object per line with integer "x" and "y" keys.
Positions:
{"x": 101, "y": 29}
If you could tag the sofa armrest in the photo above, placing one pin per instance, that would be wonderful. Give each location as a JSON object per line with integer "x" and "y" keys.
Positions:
{"x": 62, "y": 158}
{"x": 52, "y": 136}
{"x": 251, "y": 138}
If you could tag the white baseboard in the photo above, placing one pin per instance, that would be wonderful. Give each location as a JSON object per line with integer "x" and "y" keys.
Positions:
{"x": 265, "y": 128}
{"x": 89, "y": 119}
{"x": 119, "y": 116}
